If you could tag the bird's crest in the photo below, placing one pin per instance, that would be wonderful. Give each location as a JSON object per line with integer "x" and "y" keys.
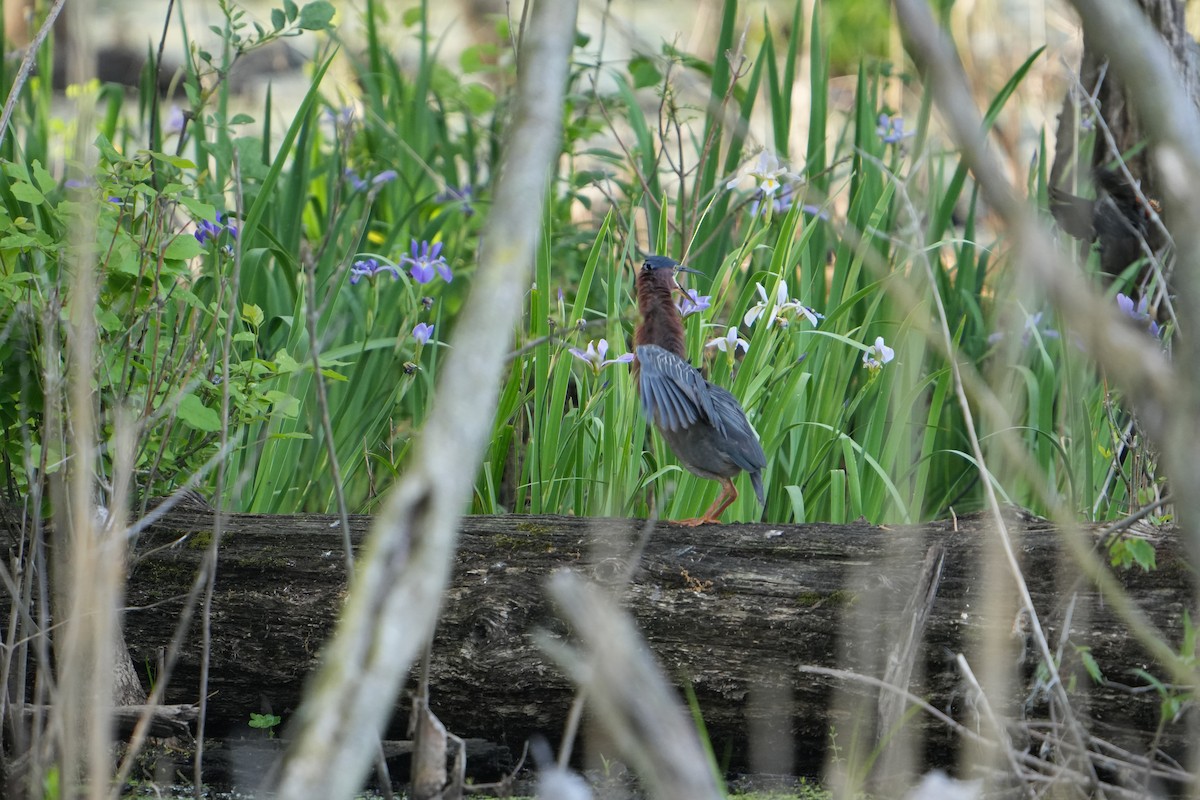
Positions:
{"x": 659, "y": 262}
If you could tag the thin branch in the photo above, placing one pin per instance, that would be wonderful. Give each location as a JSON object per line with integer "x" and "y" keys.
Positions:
{"x": 404, "y": 568}
{"x": 1134, "y": 362}
{"x": 14, "y": 94}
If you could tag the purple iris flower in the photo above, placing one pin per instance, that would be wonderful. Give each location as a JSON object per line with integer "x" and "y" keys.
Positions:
{"x": 370, "y": 267}
{"x": 359, "y": 183}
{"x": 206, "y": 229}
{"x": 891, "y": 129}
{"x": 693, "y": 302}
{"x": 424, "y": 259}
{"x": 386, "y": 176}
{"x": 175, "y": 121}
{"x": 1140, "y": 313}
{"x": 422, "y": 332}
{"x": 356, "y": 182}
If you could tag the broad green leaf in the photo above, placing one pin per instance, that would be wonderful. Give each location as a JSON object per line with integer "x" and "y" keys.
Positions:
{"x": 27, "y": 193}
{"x": 316, "y": 16}
{"x": 42, "y": 177}
{"x": 193, "y": 413}
{"x": 252, "y": 315}
{"x": 285, "y": 363}
{"x": 199, "y": 209}
{"x": 183, "y": 247}
{"x": 283, "y": 402}
{"x": 107, "y": 320}
{"x": 478, "y": 58}
{"x": 644, "y": 72}
{"x": 478, "y": 99}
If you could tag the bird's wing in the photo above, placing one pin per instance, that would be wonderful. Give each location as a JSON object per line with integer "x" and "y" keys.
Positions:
{"x": 1073, "y": 214}
{"x": 674, "y": 394}
{"x": 742, "y": 444}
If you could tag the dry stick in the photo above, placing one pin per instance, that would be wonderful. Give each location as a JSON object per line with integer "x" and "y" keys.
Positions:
{"x": 218, "y": 519}
{"x": 1095, "y": 569}
{"x": 161, "y": 510}
{"x": 156, "y": 105}
{"x": 1126, "y": 764}
{"x": 142, "y": 729}
{"x": 1133, "y": 362}
{"x": 575, "y": 715}
{"x": 1122, "y": 761}
{"x": 1001, "y": 733}
{"x": 404, "y": 566}
{"x": 1146, "y": 206}
{"x": 34, "y": 556}
{"x": 945, "y": 342}
{"x": 90, "y": 568}
{"x": 26, "y": 67}
{"x": 335, "y": 469}
{"x": 917, "y": 700}
{"x": 993, "y": 503}
{"x": 633, "y": 700}
{"x": 44, "y": 685}
{"x": 1136, "y": 516}
{"x": 737, "y": 61}
{"x": 313, "y": 312}
{"x": 20, "y": 619}
{"x": 637, "y": 170}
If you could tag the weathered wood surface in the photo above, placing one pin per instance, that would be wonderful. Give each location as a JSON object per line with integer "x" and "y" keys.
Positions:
{"x": 1118, "y": 110}
{"x": 724, "y": 608}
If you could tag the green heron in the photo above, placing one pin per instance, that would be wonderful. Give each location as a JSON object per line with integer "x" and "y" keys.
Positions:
{"x": 1118, "y": 220}
{"x": 703, "y": 424}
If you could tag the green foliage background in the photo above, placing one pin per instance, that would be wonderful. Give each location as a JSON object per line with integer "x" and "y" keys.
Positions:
{"x": 226, "y": 339}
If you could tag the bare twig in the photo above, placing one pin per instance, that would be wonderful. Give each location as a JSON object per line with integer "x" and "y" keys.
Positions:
{"x": 631, "y": 698}
{"x": 31, "y": 51}
{"x": 1133, "y": 362}
{"x": 981, "y": 701}
{"x": 632, "y": 561}
{"x": 218, "y": 519}
{"x": 1032, "y": 767}
{"x": 405, "y": 565}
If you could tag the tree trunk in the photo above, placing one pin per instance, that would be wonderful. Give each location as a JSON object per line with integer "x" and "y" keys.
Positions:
{"x": 732, "y": 611}
{"x": 1118, "y": 111}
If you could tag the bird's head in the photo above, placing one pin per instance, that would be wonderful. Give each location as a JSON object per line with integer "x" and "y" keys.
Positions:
{"x": 661, "y": 270}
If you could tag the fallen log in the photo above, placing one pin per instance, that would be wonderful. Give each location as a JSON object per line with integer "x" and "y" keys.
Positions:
{"x": 164, "y": 721}
{"x": 733, "y": 612}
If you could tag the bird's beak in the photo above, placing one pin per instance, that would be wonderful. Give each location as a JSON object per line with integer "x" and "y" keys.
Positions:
{"x": 681, "y": 268}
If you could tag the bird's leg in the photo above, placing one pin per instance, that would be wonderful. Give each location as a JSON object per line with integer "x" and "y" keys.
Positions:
{"x": 724, "y": 500}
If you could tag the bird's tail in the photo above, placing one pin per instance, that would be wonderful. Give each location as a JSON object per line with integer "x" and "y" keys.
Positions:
{"x": 756, "y": 480}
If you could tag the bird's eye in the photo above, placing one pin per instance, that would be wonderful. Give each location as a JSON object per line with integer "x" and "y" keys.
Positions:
{"x": 646, "y": 266}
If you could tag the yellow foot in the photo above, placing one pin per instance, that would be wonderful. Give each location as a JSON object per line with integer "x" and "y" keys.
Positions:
{"x": 696, "y": 522}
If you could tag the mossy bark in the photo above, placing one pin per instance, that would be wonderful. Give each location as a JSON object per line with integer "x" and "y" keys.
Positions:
{"x": 728, "y": 610}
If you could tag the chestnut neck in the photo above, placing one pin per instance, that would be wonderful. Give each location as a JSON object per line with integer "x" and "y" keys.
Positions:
{"x": 661, "y": 323}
